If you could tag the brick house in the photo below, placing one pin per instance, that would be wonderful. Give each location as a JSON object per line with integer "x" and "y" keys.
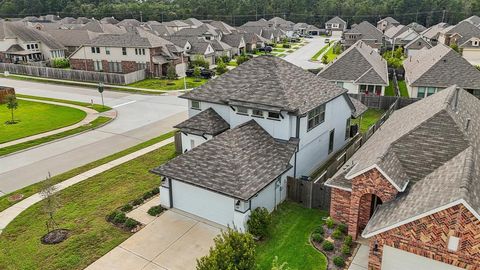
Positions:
{"x": 126, "y": 53}
{"x": 413, "y": 190}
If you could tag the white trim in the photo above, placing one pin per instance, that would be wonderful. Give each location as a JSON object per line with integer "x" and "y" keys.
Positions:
{"x": 375, "y": 166}
{"x": 332, "y": 186}
{"x": 428, "y": 213}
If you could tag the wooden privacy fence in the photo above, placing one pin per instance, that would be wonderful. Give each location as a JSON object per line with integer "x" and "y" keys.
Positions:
{"x": 383, "y": 102}
{"x": 310, "y": 194}
{"x": 73, "y": 75}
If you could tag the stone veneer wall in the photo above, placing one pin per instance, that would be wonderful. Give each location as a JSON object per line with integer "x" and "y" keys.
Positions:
{"x": 429, "y": 236}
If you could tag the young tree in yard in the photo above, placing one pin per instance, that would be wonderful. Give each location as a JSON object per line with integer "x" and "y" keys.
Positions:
{"x": 171, "y": 72}
{"x": 233, "y": 250}
{"x": 259, "y": 222}
{"x": 197, "y": 73}
{"x": 394, "y": 58}
{"x": 455, "y": 47}
{"x": 12, "y": 104}
{"x": 325, "y": 59}
{"x": 50, "y": 203}
{"x": 221, "y": 67}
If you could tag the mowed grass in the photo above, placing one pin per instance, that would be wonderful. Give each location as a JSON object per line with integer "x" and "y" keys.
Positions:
{"x": 97, "y": 107}
{"x": 161, "y": 84}
{"x": 35, "y": 118}
{"x": 402, "y": 86}
{"x": 368, "y": 119}
{"x": 289, "y": 239}
{"x": 389, "y": 91}
{"x": 83, "y": 208}
{"x": 331, "y": 55}
{"x": 317, "y": 55}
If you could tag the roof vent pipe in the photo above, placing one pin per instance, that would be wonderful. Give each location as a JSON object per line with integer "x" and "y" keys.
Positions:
{"x": 468, "y": 124}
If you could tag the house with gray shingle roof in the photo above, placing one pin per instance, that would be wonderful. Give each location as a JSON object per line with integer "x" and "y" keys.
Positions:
{"x": 386, "y": 23}
{"x": 359, "y": 69}
{"x": 366, "y": 32}
{"x": 413, "y": 189}
{"x": 249, "y": 129}
{"x": 471, "y": 50}
{"x": 415, "y": 45}
{"x": 432, "y": 33}
{"x": 459, "y": 33}
{"x": 336, "y": 26}
{"x": 429, "y": 71}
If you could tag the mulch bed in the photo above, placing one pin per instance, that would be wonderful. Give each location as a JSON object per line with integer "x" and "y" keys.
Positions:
{"x": 15, "y": 197}
{"x": 55, "y": 237}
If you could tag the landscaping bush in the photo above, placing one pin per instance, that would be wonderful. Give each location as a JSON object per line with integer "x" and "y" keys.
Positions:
{"x": 339, "y": 261}
{"x": 147, "y": 195}
{"x": 259, "y": 222}
{"x": 316, "y": 237}
{"x": 286, "y": 46}
{"x": 343, "y": 228}
{"x": 111, "y": 216}
{"x": 242, "y": 59}
{"x": 126, "y": 208}
{"x": 319, "y": 230}
{"x": 171, "y": 72}
{"x": 137, "y": 202}
{"x": 60, "y": 63}
{"x": 346, "y": 250}
{"x": 155, "y": 191}
{"x": 199, "y": 62}
{"x": 225, "y": 58}
{"x": 119, "y": 218}
{"x": 337, "y": 234}
{"x": 348, "y": 241}
{"x": 330, "y": 223}
{"x": 327, "y": 245}
{"x": 221, "y": 67}
{"x": 325, "y": 59}
{"x": 155, "y": 210}
{"x": 131, "y": 223}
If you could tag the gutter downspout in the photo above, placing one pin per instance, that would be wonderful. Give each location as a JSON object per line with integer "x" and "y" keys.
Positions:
{"x": 297, "y": 135}
{"x": 170, "y": 192}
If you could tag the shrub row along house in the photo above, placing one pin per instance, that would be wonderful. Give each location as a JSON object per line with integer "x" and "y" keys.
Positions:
{"x": 248, "y": 131}
{"x": 413, "y": 189}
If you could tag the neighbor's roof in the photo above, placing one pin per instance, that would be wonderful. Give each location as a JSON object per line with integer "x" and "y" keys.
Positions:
{"x": 417, "y": 27}
{"x": 225, "y": 28}
{"x": 131, "y": 39}
{"x": 106, "y": 28}
{"x": 206, "y": 122}
{"x": 441, "y": 67}
{"x": 434, "y": 31}
{"x": 110, "y": 20}
{"x": 390, "y": 20}
{"x": 233, "y": 40}
{"x": 270, "y": 82}
{"x": 395, "y": 31}
{"x": 474, "y": 20}
{"x": 367, "y": 30}
{"x": 418, "y": 43}
{"x": 74, "y": 37}
{"x": 129, "y": 22}
{"x": 239, "y": 162}
{"x": 465, "y": 29}
{"x": 28, "y": 34}
{"x": 193, "y": 22}
{"x": 336, "y": 19}
{"x": 443, "y": 153}
{"x": 197, "y": 32}
{"x": 360, "y": 64}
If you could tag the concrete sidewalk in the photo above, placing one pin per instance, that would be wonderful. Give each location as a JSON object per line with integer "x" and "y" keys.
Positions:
{"x": 12, "y": 212}
{"x": 91, "y": 116}
{"x": 360, "y": 259}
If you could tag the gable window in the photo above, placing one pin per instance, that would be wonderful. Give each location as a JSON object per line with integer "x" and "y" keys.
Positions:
{"x": 242, "y": 110}
{"x": 107, "y": 51}
{"x": 257, "y": 113}
{"x": 475, "y": 43}
{"x": 28, "y": 46}
{"x": 273, "y": 115}
{"x": 124, "y": 51}
{"x": 340, "y": 84}
{"x": 316, "y": 117}
{"x": 195, "y": 105}
{"x": 331, "y": 141}
{"x": 347, "y": 129}
{"x": 36, "y": 46}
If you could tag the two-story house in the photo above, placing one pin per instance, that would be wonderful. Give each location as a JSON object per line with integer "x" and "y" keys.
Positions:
{"x": 129, "y": 52}
{"x": 336, "y": 26}
{"x": 366, "y": 32}
{"x": 386, "y": 23}
{"x": 248, "y": 131}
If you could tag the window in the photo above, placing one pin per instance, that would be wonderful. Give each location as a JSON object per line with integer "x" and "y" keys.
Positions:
{"x": 107, "y": 51}
{"x": 316, "y": 117}
{"x": 431, "y": 91}
{"x": 340, "y": 84}
{"x": 273, "y": 115}
{"x": 331, "y": 141}
{"x": 363, "y": 89}
{"x": 95, "y": 49}
{"x": 97, "y": 65}
{"x": 195, "y": 105}
{"x": 421, "y": 92}
{"x": 347, "y": 129}
{"x": 426, "y": 91}
{"x": 124, "y": 51}
{"x": 115, "y": 67}
{"x": 36, "y": 46}
{"x": 192, "y": 144}
{"x": 28, "y": 46}
{"x": 258, "y": 113}
{"x": 242, "y": 110}
{"x": 141, "y": 66}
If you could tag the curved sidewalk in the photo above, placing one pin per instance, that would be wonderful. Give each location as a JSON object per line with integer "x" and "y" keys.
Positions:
{"x": 91, "y": 116}
{"x": 9, "y": 214}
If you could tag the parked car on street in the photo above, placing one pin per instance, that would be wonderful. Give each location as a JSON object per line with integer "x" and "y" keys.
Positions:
{"x": 265, "y": 49}
{"x": 204, "y": 73}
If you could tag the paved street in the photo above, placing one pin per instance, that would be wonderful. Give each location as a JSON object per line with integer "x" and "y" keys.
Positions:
{"x": 140, "y": 117}
{"x": 301, "y": 57}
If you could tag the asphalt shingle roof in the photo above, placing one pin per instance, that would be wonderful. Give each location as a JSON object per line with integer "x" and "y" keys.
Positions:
{"x": 205, "y": 122}
{"x": 336, "y": 19}
{"x": 367, "y": 30}
{"x": 268, "y": 81}
{"x": 239, "y": 162}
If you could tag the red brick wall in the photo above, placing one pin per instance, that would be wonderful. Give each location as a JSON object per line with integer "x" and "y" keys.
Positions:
{"x": 129, "y": 66}
{"x": 81, "y": 64}
{"x": 340, "y": 205}
{"x": 428, "y": 237}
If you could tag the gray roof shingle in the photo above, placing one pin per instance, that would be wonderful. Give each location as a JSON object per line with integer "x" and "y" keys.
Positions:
{"x": 205, "y": 122}
{"x": 368, "y": 31}
{"x": 239, "y": 162}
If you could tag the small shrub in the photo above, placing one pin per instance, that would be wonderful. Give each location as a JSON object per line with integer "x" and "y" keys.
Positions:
{"x": 316, "y": 237}
{"x": 155, "y": 210}
{"x": 242, "y": 59}
{"x": 130, "y": 223}
{"x": 137, "y": 202}
{"x": 286, "y": 46}
{"x": 337, "y": 234}
{"x": 199, "y": 61}
{"x": 259, "y": 222}
{"x": 221, "y": 67}
{"x": 147, "y": 195}
{"x": 346, "y": 250}
{"x": 325, "y": 59}
{"x": 327, "y": 245}
{"x": 171, "y": 72}
{"x": 111, "y": 216}
{"x": 60, "y": 63}
{"x": 126, "y": 208}
{"x": 119, "y": 218}
{"x": 319, "y": 230}
{"x": 339, "y": 261}
{"x": 343, "y": 228}
{"x": 330, "y": 223}
{"x": 225, "y": 58}
{"x": 348, "y": 240}
{"x": 155, "y": 191}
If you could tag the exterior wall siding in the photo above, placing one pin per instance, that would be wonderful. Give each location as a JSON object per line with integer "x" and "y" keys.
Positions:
{"x": 340, "y": 205}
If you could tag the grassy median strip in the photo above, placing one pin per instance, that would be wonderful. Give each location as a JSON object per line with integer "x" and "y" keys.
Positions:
{"x": 32, "y": 189}
{"x": 324, "y": 48}
{"x": 82, "y": 210}
{"x": 168, "y": 85}
{"x": 97, "y": 107}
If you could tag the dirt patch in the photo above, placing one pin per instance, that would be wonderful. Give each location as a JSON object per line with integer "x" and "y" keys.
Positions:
{"x": 15, "y": 197}
{"x": 55, "y": 237}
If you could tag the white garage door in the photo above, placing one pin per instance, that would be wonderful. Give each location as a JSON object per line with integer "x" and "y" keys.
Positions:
{"x": 203, "y": 203}
{"x": 396, "y": 259}
{"x": 337, "y": 34}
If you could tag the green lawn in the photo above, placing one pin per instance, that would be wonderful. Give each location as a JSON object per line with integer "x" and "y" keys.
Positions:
{"x": 389, "y": 91}
{"x": 315, "y": 57}
{"x": 330, "y": 55}
{"x": 402, "y": 86}
{"x": 35, "y": 118}
{"x": 278, "y": 50}
{"x": 34, "y": 188}
{"x": 232, "y": 63}
{"x": 83, "y": 208}
{"x": 161, "y": 84}
{"x": 289, "y": 240}
{"x": 368, "y": 119}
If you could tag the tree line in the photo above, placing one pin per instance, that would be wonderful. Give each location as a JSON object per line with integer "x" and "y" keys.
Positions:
{"x": 237, "y": 12}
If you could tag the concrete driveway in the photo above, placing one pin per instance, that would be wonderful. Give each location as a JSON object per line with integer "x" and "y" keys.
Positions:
{"x": 302, "y": 56}
{"x": 172, "y": 241}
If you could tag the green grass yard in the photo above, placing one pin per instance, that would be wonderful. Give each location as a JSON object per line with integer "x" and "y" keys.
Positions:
{"x": 389, "y": 91}
{"x": 35, "y": 118}
{"x": 96, "y": 107}
{"x": 317, "y": 55}
{"x": 402, "y": 86}
{"x": 368, "y": 119}
{"x": 331, "y": 55}
{"x": 163, "y": 84}
{"x": 289, "y": 240}
{"x": 83, "y": 208}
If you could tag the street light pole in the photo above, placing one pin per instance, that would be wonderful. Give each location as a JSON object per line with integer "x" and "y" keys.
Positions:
{"x": 184, "y": 74}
